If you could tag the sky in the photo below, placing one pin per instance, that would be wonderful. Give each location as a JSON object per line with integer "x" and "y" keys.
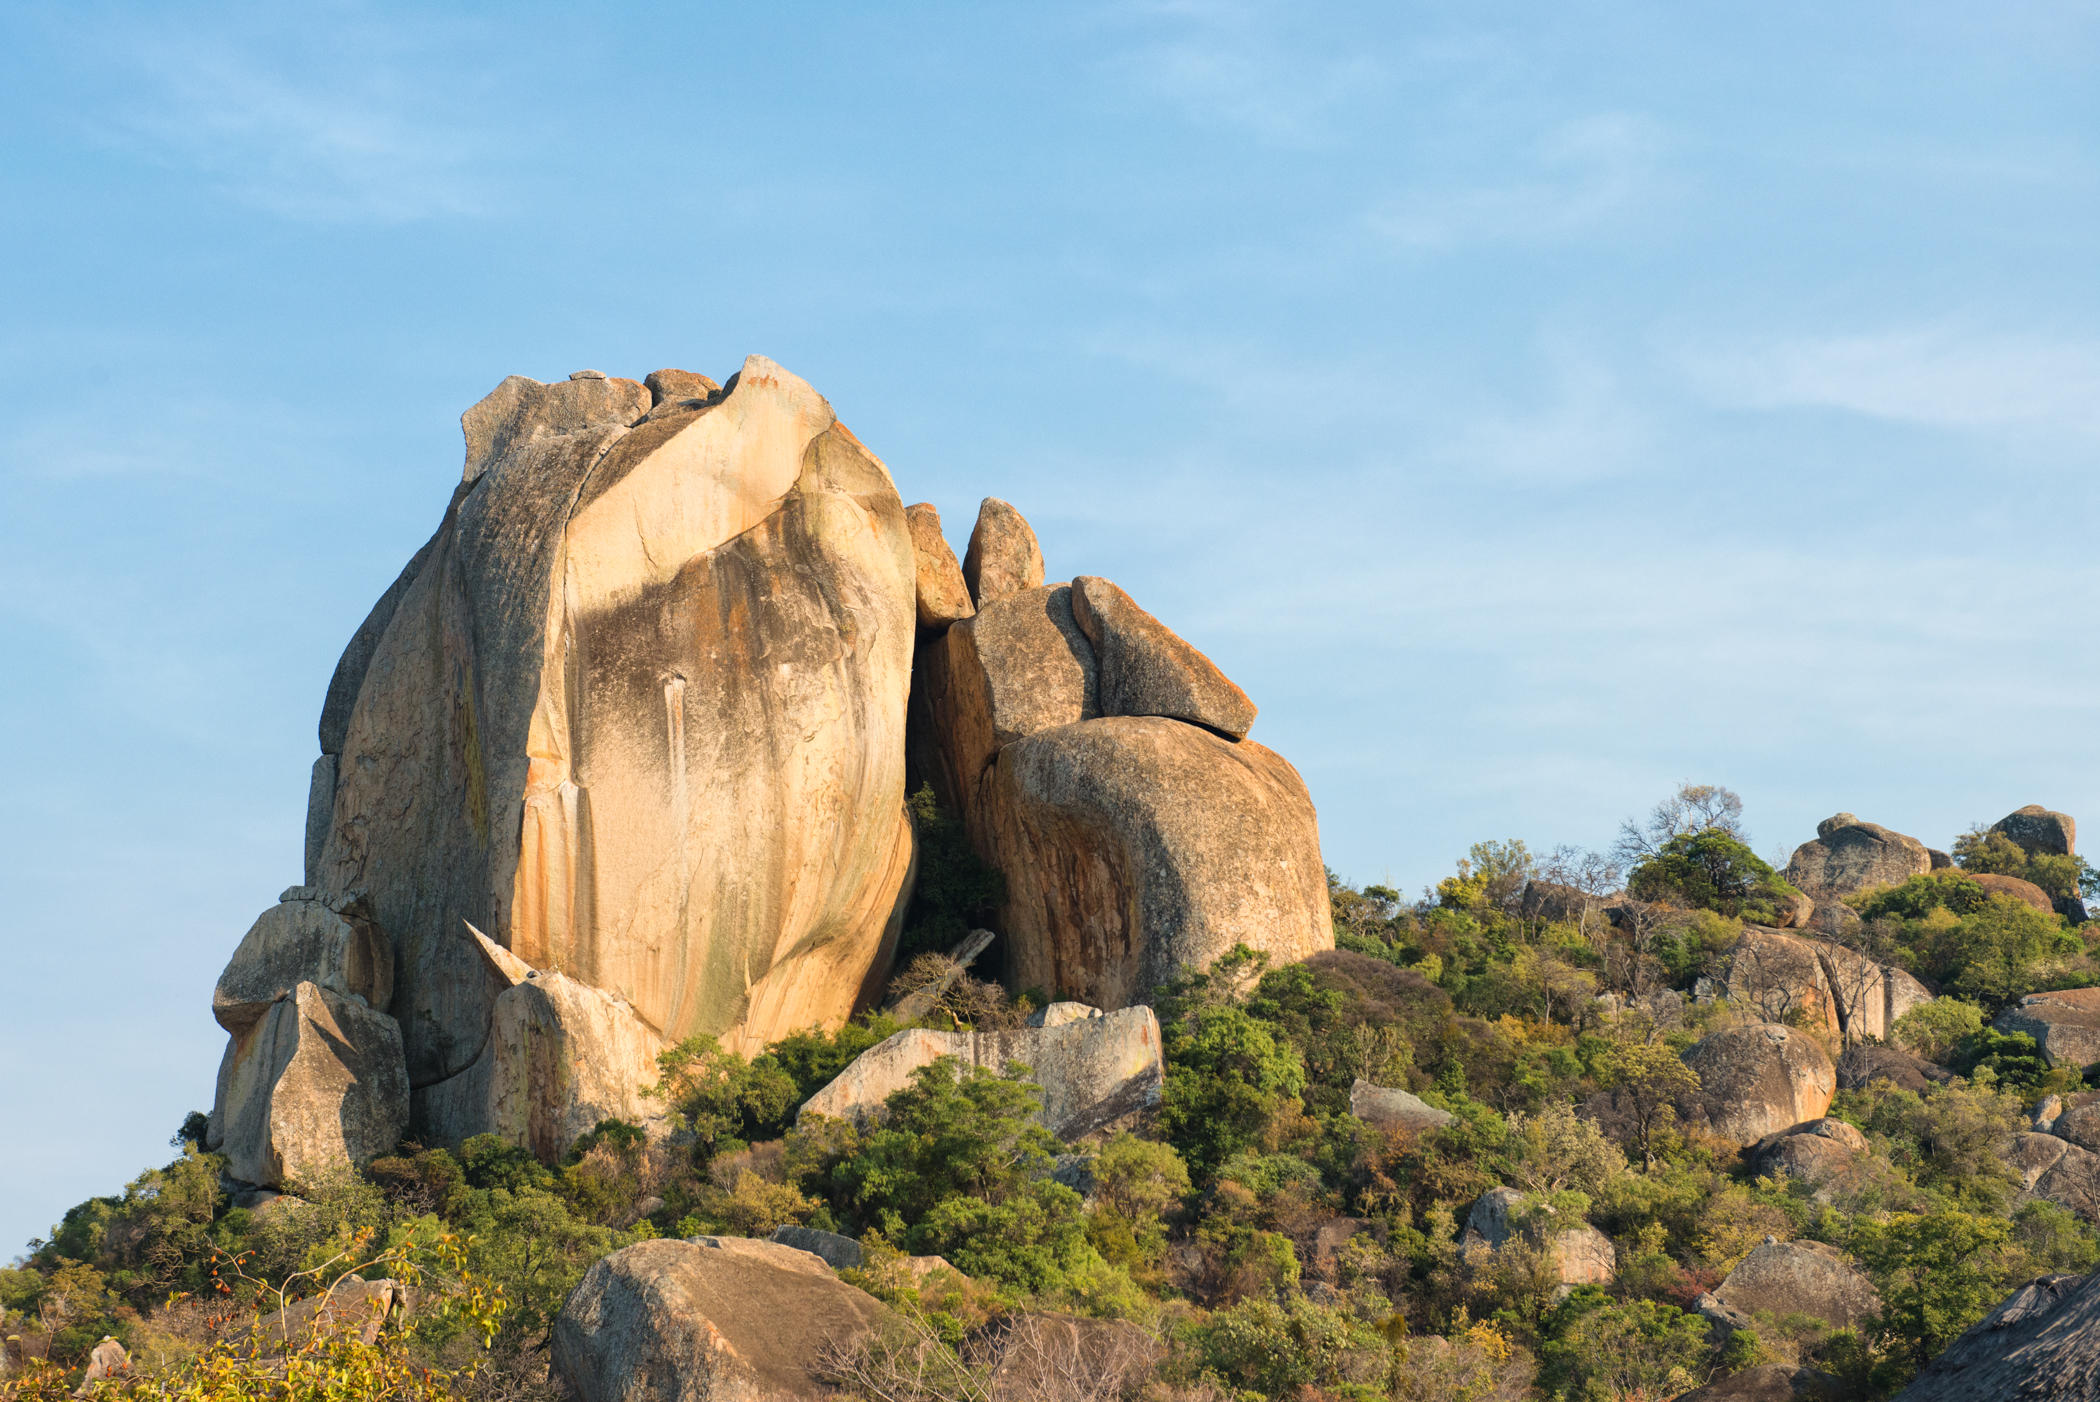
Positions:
{"x": 1532, "y": 406}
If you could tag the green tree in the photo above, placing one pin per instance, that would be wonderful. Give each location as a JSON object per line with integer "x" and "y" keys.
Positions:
{"x": 1711, "y": 869}
{"x": 1228, "y": 1079}
{"x": 1602, "y": 1350}
{"x": 1938, "y": 1273}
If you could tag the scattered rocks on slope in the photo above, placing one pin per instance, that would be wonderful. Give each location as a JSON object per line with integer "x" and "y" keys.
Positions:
{"x": 1097, "y": 1073}
{"x": 1793, "y": 1277}
{"x": 1002, "y": 557}
{"x": 304, "y": 939}
{"x": 700, "y": 1321}
{"x": 2041, "y": 1345}
{"x": 1579, "y": 1254}
{"x": 2064, "y": 1024}
{"x": 1760, "y": 1079}
{"x": 1394, "y": 1109}
{"x": 1861, "y": 1066}
{"x": 943, "y": 597}
{"x": 1771, "y": 1382}
{"x": 1146, "y": 669}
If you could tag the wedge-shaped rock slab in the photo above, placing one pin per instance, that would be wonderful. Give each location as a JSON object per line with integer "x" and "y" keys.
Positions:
{"x": 1760, "y": 1079}
{"x": 1134, "y": 847}
{"x": 318, "y": 1082}
{"x": 943, "y": 597}
{"x": 1147, "y": 669}
{"x": 1096, "y": 1072}
{"x": 638, "y": 711}
{"x": 697, "y": 1321}
{"x": 304, "y": 939}
{"x": 1003, "y": 557}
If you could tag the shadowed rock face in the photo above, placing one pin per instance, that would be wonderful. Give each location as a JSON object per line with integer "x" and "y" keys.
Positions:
{"x": 2064, "y": 1024}
{"x": 2038, "y": 832}
{"x": 638, "y": 712}
{"x": 2041, "y": 1345}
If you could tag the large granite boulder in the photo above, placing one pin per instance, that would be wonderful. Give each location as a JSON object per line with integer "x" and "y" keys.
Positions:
{"x": 1794, "y": 1277}
{"x": 2039, "y": 832}
{"x": 304, "y": 938}
{"x": 1836, "y": 989}
{"x": 2041, "y": 1345}
{"x": 2014, "y": 888}
{"x": 1759, "y": 1079}
{"x": 943, "y": 597}
{"x": 637, "y": 711}
{"x": 317, "y": 1082}
{"x": 1826, "y": 1154}
{"x": 710, "y": 1320}
{"x": 2065, "y": 1024}
{"x": 1003, "y": 557}
{"x": 1771, "y": 1382}
{"x": 2052, "y": 1169}
{"x": 1146, "y": 669}
{"x": 1577, "y": 1253}
{"x": 1849, "y": 855}
{"x": 1097, "y": 1072}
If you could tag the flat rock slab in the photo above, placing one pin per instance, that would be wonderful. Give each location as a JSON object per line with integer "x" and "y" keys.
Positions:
{"x": 1147, "y": 669}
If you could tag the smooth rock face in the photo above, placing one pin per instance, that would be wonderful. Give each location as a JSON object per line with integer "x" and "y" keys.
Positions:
{"x": 563, "y": 1056}
{"x": 2065, "y": 1024}
{"x": 1003, "y": 557}
{"x": 841, "y": 1253}
{"x": 106, "y": 1360}
{"x": 943, "y": 597}
{"x": 1771, "y": 1382}
{"x": 1146, "y": 668}
{"x": 2056, "y": 1170}
{"x": 1799, "y": 1277}
{"x": 1134, "y": 847}
{"x": 2039, "y": 832}
{"x": 304, "y": 940}
{"x": 1398, "y": 1109}
{"x": 1760, "y": 1079}
{"x": 1849, "y": 855}
{"x": 679, "y": 1321}
{"x": 639, "y": 714}
{"x": 1020, "y": 666}
{"x": 317, "y": 1082}
{"x": 1777, "y": 976}
{"x": 1096, "y": 1073}
{"x": 2041, "y": 1345}
{"x": 2023, "y": 891}
{"x": 1580, "y": 1254}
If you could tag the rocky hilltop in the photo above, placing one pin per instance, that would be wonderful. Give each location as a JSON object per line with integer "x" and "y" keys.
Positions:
{"x": 622, "y": 758}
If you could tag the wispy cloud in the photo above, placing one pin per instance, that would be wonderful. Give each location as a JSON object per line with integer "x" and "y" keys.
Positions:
{"x": 1934, "y": 376}
{"x": 1583, "y": 174}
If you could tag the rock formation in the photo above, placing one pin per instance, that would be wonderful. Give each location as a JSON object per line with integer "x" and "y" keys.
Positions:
{"x": 1394, "y": 1109}
{"x": 1863, "y": 1065}
{"x": 1577, "y": 1253}
{"x": 2039, "y": 832}
{"x": 2017, "y": 888}
{"x": 1841, "y": 991}
{"x": 1793, "y": 1277}
{"x": 2064, "y": 1024}
{"x": 1847, "y": 856}
{"x": 2041, "y": 1345}
{"x": 2053, "y": 1169}
{"x": 1760, "y": 1079}
{"x": 1826, "y": 1154}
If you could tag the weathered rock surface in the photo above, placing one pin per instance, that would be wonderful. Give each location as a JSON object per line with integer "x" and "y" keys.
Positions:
{"x": 1146, "y": 669}
{"x": 1849, "y": 855}
{"x": 1002, "y": 557}
{"x": 2041, "y": 1345}
{"x": 2016, "y": 888}
{"x": 2064, "y": 1024}
{"x": 1019, "y": 666}
{"x": 1794, "y": 1277}
{"x": 671, "y": 386}
{"x": 841, "y": 1253}
{"x": 2077, "y": 1120}
{"x": 315, "y": 1083}
{"x": 1579, "y": 1254}
{"x": 638, "y": 711}
{"x": 943, "y": 596}
{"x": 1134, "y": 847}
{"x": 1096, "y": 1073}
{"x": 1394, "y": 1109}
{"x": 1771, "y": 1382}
{"x": 352, "y": 1305}
{"x": 1778, "y": 976}
{"x": 679, "y": 1321}
{"x": 304, "y": 939}
{"x": 1760, "y": 1079}
{"x": 2056, "y": 1170}
{"x": 1560, "y": 904}
{"x": 1829, "y": 1155}
{"x": 106, "y": 1360}
{"x": 1862, "y": 1066}
{"x": 2039, "y": 832}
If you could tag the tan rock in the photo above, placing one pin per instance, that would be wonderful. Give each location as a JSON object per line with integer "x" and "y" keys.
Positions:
{"x": 106, "y": 1360}
{"x": 678, "y": 1321}
{"x": 520, "y": 409}
{"x": 1798, "y": 1277}
{"x": 2064, "y": 1024}
{"x": 2039, "y": 832}
{"x": 673, "y": 385}
{"x": 943, "y": 597}
{"x": 1578, "y": 1253}
{"x": 1134, "y": 847}
{"x": 640, "y": 716}
{"x": 1003, "y": 557}
{"x": 1096, "y": 1073}
{"x": 352, "y": 1306}
{"x": 563, "y": 1057}
{"x": 1020, "y": 666}
{"x": 1864, "y": 1065}
{"x": 2014, "y": 888}
{"x": 2056, "y": 1170}
{"x": 1760, "y": 1079}
{"x": 1147, "y": 669}
{"x": 1849, "y": 855}
{"x": 316, "y": 1083}
{"x": 1828, "y": 1155}
{"x": 1778, "y": 977}
{"x": 303, "y": 940}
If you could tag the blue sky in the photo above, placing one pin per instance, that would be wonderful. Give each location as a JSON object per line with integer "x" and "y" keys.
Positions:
{"x": 1530, "y": 405}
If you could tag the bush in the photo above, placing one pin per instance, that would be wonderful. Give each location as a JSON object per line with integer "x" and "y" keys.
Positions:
{"x": 1712, "y": 870}
{"x": 1933, "y": 1030}
{"x": 1599, "y": 1348}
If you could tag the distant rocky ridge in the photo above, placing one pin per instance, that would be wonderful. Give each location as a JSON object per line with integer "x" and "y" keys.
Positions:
{"x": 622, "y": 756}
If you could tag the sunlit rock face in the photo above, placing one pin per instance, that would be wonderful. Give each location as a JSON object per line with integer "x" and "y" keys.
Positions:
{"x": 637, "y": 711}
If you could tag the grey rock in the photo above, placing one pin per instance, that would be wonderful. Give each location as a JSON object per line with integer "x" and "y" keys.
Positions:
{"x": 1579, "y": 1253}
{"x": 1940, "y": 860}
{"x": 302, "y": 940}
{"x": 1760, "y": 1079}
{"x": 2041, "y": 1345}
{"x": 670, "y": 386}
{"x": 1002, "y": 557}
{"x": 586, "y": 374}
{"x": 2064, "y": 1024}
{"x": 2079, "y": 1121}
{"x": 1829, "y": 1155}
{"x": 2039, "y": 832}
{"x": 706, "y": 1321}
{"x": 320, "y": 812}
{"x": 1560, "y": 904}
{"x": 521, "y": 409}
{"x": 316, "y": 1083}
{"x": 1394, "y": 1109}
{"x": 943, "y": 597}
{"x": 841, "y": 1253}
{"x": 106, "y": 1360}
{"x": 1861, "y": 1066}
{"x": 1849, "y": 855}
{"x": 1798, "y": 1277}
{"x": 1147, "y": 669}
{"x": 2053, "y": 1169}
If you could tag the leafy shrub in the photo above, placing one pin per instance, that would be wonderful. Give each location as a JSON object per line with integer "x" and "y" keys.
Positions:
{"x": 1712, "y": 869}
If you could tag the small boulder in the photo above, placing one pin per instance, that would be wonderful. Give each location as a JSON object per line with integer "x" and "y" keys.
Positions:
{"x": 2064, "y": 1024}
{"x": 1759, "y": 1079}
{"x": 673, "y": 385}
{"x": 1003, "y": 557}
{"x": 352, "y": 1306}
{"x": 1849, "y": 855}
{"x": 1578, "y": 1253}
{"x": 1394, "y": 1109}
{"x": 2025, "y": 892}
{"x": 700, "y": 1321}
{"x": 1863, "y": 1065}
{"x": 304, "y": 939}
{"x": 1825, "y": 1154}
{"x": 1147, "y": 669}
{"x": 1771, "y": 1382}
{"x": 943, "y": 596}
{"x": 2041, "y": 1345}
{"x": 1794, "y": 1277}
{"x": 2039, "y": 832}
{"x": 841, "y": 1253}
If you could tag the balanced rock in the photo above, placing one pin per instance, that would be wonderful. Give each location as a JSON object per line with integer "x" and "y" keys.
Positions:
{"x": 1577, "y": 1253}
{"x": 2064, "y": 1024}
{"x": 2039, "y": 832}
{"x": 1760, "y": 1079}
{"x": 2041, "y": 1345}
{"x": 1146, "y": 669}
{"x": 304, "y": 939}
{"x": 317, "y": 1082}
{"x": 1771, "y": 1382}
{"x": 1849, "y": 855}
{"x": 638, "y": 712}
{"x": 1394, "y": 1109}
{"x": 1794, "y": 1277}
{"x": 677, "y": 386}
{"x": 1019, "y": 666}
{"x": 943, "y": 596}
{"x": 1003, "y": 557}
{"x": 710, "y": 1320}
{"x": 1096, "y": 1073}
